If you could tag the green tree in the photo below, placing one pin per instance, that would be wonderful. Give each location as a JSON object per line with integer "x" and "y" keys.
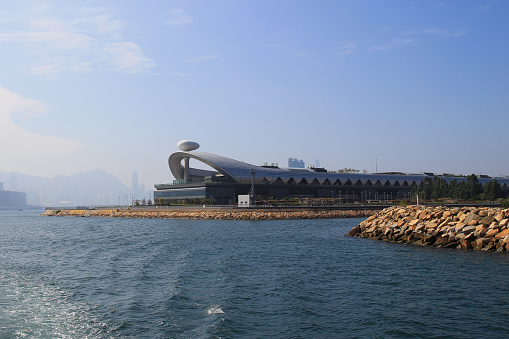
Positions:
{"x": 451, "y": 188}
{"x": 474, "y": 187}
{"x": 492, "y": 190}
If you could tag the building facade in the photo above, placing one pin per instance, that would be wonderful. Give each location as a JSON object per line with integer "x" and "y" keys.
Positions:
{"x": 295, "y": 163}
{"x": 229, "y": 178}
{"x": 12, "y": 199}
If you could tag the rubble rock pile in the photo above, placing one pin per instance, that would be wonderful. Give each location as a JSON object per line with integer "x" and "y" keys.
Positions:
{"x": 477, "y": 228}
{"x": 212, "y": 214}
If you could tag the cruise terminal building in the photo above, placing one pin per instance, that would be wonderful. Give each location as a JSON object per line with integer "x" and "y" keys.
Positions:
{"x": 227, "y": 178}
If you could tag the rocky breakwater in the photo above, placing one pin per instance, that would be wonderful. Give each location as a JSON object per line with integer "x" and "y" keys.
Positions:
{"x": 480, "y": 228}
{"x": 212, "y": 214}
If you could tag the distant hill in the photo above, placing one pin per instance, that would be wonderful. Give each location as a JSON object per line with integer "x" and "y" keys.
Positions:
{"x": 85, "y": 188}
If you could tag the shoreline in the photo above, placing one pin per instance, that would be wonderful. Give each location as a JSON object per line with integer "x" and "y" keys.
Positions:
{"x": 215, "y": 214}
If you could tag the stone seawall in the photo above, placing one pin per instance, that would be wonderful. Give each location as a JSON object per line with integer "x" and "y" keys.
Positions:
{"x": 213, "y": 214}
{"x": 480, "y": 228}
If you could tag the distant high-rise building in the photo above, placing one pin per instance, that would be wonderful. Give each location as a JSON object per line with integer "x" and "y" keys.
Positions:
{"x": 317, "y": 163}
{"x": 13, "y": 183}
{"x": 134, "y": 186}
{"x": 11, "y": 199}
{"x": 295, "y": 163}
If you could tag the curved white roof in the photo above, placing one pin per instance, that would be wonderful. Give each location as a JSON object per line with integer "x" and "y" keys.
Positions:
{"x": 240, "y": 172}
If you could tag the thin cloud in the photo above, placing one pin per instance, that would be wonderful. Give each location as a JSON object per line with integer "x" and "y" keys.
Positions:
{"x": 16, "y": 143}
{"x": 179, "y": 17}
{"x": 127, "y": 57}
{"x": 484, "y": 8}
{"x": 83, "y": 44}
{"x": 439, "y": 32}
{"x": 77, "y": 52}
{"x": 181, "y": 74}
{"x": 446, "y": 33}
{"x": 97, "y": 21}
{"x": 277, "y": 45}
{"x": 393, "y": 44}
{"x": 410, "y": 38}
{"x": 202, "y": 58}
{"x": 347, "y": 49}
{"x": 306, "y": 54}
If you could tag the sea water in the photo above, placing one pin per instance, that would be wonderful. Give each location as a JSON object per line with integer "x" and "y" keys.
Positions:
{"x": 148, "y": 278}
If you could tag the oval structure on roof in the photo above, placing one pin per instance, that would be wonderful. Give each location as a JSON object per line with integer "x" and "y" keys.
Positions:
{"x": 187, "y": 145}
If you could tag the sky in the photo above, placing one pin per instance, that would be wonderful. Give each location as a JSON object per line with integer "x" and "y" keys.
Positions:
{"x": 391, "y": 85}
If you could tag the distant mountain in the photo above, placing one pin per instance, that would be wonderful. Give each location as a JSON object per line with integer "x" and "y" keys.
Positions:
{"x": 85, "y": 188}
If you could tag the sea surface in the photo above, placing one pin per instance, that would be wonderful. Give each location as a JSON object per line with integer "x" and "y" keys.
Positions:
{"x": 146, "y": 278}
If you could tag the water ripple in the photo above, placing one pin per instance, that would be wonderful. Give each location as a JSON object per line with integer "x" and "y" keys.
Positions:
{"x": 101, "y": 278}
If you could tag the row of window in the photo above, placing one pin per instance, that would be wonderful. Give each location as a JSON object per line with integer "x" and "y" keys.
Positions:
{"x": 178, "y": 193}
{"x": 338, "y": 182}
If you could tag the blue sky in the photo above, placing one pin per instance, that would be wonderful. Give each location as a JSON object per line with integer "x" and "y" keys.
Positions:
{"x": 418, "y": 85}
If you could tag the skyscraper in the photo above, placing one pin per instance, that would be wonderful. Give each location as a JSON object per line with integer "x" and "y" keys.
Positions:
{"x": 135, "y": 187}
{"x": 13, "y": 183}
{"x": 295, "y": 163}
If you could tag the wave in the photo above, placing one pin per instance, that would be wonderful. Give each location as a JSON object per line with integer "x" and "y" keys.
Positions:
{"x": 36, "y": 309}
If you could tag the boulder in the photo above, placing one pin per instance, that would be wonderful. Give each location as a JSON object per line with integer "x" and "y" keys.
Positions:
{"x": 451, "y": 244}
{"x": 479, "y": 243}
{"x": 459, "y": 227}
{"x": 460, "y": 236}
{"x": 470, "y": 217}
{"x": 491, "y": 233}
{"x": 499, "y": 216}
{"x": 442, "y": 241}
{"x": 489, "y": 247}
{"x": 445, "y": 222}
{"x": 423, "y": 214}
{"x": 503, "y": 234}
{"x": 472, "y": 222}
{"x": 431, "y": 225}
{"x": 428, "y": 239}
{"x": 465, "y": 244}
{"x": 414, "y": 222}
{"x": 468, "y": 229}
{"x": 420, "y": 227}
{"x": 354, "y": 231}
{"x": 487, "y": 220}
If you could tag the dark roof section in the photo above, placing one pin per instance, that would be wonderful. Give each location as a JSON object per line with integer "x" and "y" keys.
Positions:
{"x": 240, "y": 172}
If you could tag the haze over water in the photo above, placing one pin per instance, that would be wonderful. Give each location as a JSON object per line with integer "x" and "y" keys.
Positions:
{"x": 101, "y": 278}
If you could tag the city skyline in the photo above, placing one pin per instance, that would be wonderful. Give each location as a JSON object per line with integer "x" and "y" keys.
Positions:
{"x": 403, "y": 86}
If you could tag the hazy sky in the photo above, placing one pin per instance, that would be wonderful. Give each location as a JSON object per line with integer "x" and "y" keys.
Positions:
{"x": 418, "y": 85}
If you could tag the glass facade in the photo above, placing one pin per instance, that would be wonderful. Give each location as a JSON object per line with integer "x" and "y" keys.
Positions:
{"x": 241, "y": 174}
{"x": 180, "y": 193}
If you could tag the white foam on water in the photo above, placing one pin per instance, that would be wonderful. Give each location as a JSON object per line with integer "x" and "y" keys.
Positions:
{"x": 35, "y": 309}
{"x": 215, "y": 309}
